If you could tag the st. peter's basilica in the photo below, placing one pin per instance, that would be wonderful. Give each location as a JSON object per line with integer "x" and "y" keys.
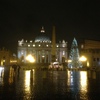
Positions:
{"x": 42, "y": 49}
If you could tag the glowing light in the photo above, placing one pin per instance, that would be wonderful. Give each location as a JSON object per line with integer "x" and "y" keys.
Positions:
{"x": 83, "y": 58}
{"x": 27, "y": 81}
{"x": 70, "y": 78}
{"x": 69, "y": 60}
{"x": 1, "y": 68}
{"x": 13, "y": 61}
{"x": 2, "y": 62}
{"x": 88, "y": 64}
{"x": 11, "y": 75}
{"x": 30, "y": 58}
{"x": 28, "y": 45}
{"x": 42, "y": 30}
{"x": 1, "y": 75}
{"x": 33, "y": 45}
{"x": 57, "y": 46}
{"x": 63, "y": 52}
{"x": 83, "y": 81}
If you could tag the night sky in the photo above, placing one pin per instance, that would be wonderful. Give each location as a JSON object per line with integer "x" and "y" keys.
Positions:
{"x": 24, "y": 19}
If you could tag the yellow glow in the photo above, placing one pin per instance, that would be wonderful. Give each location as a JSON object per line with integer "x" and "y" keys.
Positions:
{"x": 27, "y": 81}
{"x": 11, "y": 75}
{"x": 68, "y": 82}
{"x": 30, "y": 58}
{"x": 43, "y": 56}
{"x": 33, "y": 45}
{"x": 69, "y": 60}
{"x": 2, "y": 62}
{"x": 83, "y": 58}
{"x": 83, "y": 81}
{"x": 88, "y": 64}
{"x": 12, "y": 61}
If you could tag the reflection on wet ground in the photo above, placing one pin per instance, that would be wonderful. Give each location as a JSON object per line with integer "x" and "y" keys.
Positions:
{"x": 49, "y": 85}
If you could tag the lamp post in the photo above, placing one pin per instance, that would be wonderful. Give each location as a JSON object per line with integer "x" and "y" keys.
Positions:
{"x": 30, "y": 58}
{"x": 83, "y": 59}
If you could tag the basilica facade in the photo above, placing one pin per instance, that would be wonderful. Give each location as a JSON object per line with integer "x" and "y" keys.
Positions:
{"x": 42, "y": 49}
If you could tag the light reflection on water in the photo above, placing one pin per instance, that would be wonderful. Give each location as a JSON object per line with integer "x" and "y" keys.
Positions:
{"x": 27, "y": 81}
{"x": 1, "y": 76}
{"x": 83, "y": 85}
{"x": 77, "y": 82}
{"x": 83, "y": 81}
{"x": 11, "y": 75}
{"x": 36, "y": 82}
{"x": 81, "y": 78}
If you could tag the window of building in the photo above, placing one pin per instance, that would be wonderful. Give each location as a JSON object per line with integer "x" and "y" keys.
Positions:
{"x": 63, "y": 53}
{"x": 33, "y": 45}
{"x": 82, "y": 46}
{"x": 39, "y": 45}
{"x": 47, "y": 45}
{"x": 28, "y": 45}
{"x": 30, "y": 41}
{"x": 57, "y": 45}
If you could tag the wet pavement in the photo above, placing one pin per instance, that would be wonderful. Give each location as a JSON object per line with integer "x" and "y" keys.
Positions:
{"x": 49, "y": 85}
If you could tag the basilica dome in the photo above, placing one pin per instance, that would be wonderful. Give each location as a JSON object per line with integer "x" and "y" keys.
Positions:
{"x": 42, "y": 37}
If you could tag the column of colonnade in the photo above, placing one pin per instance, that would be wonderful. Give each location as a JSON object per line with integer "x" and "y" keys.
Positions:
{"x": 45, "y": 59}
{"x": 39, "y": 57}
{"x": 48, "y": 56}
{"x": 36, "y": 56}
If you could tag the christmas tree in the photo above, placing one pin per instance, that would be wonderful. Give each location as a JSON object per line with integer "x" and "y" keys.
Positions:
{"x": 74, "y": 61}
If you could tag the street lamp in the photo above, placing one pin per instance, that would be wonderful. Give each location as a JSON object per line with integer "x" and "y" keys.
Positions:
{"x": 83, "y": 59}
{"x": 30, "y": 58}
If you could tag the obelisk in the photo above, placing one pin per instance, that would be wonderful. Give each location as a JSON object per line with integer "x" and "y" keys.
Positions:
{"x": 53, "y": 45}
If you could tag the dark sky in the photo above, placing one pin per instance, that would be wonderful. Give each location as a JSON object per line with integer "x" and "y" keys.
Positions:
{"x": 24, "y": 19}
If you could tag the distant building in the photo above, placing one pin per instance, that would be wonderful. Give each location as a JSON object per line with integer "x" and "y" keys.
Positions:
{"x": 7, "y": 58}
{"x": 91, "y": 49}
{"x": 42, "y": 49}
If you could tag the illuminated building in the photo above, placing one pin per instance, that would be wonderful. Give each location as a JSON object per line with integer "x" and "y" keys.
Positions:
{"x": 91, "y": 50}
{"x": 42, "y": 49}
{"x": 7, "y": 58}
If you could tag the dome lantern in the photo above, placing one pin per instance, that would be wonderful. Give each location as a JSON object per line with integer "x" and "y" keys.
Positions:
{"x": 42, "y": 37}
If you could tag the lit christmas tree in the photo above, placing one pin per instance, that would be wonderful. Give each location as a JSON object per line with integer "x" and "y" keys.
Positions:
{"x": 74, "y": 61}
